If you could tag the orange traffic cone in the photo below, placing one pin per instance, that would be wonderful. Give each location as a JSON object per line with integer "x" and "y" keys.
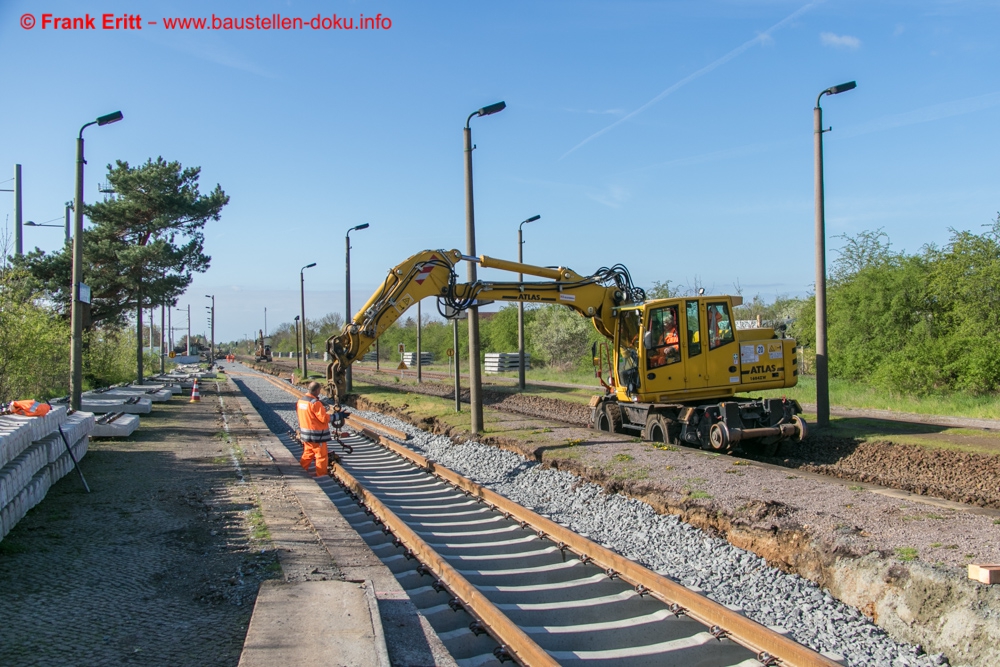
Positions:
{"x": 195, "y": 395}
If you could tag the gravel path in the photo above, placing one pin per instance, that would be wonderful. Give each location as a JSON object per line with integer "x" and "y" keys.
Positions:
{"x": 729, "y": 575}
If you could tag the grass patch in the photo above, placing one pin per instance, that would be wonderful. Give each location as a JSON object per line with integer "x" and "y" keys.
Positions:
{"x": 851, "y": 394}
{"x": 258, "y": 527}
{"x": 906, "y": 554}
{"x": 622, "y": 458}
{"x": 698, "y": 494}
{"x": 856, "y": 487}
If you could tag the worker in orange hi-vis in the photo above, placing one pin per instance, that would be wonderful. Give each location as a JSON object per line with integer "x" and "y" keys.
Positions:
{"x": 314, "y": 430}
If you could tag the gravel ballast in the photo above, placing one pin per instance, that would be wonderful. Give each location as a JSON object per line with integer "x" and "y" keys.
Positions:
{"x": 729, "y": 575}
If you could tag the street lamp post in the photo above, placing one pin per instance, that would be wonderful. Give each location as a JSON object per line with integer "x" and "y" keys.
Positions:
{"x": 822, "y": 360}
{"x": 347, "y": 290}
{"x": 163, "y": 350}
{"x": 302, "y": 295}
{"x": 211, "y": 349}
{"x": 420, "y": 374}
{"x": 520, "y": 304}
{"x": 31, "y": 223}
{"x": 475, "y": 377}
{"x": 76, "y": 312}
{"x": 18, "y": 212}
{"x": 458, "y": 373}
{"x": 298, "y": 354}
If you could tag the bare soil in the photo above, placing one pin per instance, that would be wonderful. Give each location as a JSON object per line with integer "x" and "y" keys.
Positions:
{"x": 900, "y": 561}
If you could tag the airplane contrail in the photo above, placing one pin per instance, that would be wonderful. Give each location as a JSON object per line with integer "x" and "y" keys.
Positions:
{"x": 759, "y": 39}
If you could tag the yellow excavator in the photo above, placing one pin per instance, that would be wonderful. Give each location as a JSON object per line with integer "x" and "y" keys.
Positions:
{"x": 670, "y": 370}
{"x": 263, "y": 350}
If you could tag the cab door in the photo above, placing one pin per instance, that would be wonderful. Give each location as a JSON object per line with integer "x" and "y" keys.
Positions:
{"x": 694, "y": 349}
{"x": 723, "y": 355}
{"x": 660, "y": 360}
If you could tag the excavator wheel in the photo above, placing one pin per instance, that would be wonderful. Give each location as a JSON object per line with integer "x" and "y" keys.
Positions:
{"x": 609, "y": 418}
{"x": 718, "y": 438}
{"x": 659, "y": 429}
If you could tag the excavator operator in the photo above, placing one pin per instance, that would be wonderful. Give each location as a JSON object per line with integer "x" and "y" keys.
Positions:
{"x": 666, "y": 348}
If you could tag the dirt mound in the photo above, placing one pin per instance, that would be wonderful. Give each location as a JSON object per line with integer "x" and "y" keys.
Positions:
{"x": 538, "y": 406}
{"x": 522, "y": 404}
{"x": 961, "y": 476}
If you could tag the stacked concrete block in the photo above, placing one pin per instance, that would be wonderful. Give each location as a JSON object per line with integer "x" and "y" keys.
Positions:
{"x": 410, "y": 358}
{"x": 115, "y": 425}
{"x": 505, "y": 362}
{"x": 33, "y": 457}
{"x": 154, "y": 395}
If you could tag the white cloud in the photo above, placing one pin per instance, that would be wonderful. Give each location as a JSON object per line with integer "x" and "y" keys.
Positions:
{"x": 839, "y": 41}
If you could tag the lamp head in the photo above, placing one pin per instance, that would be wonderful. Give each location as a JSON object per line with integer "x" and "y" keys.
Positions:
{"x": 363, "y": 225}
{"x": 309, "y": 266}
{"x": 842, "y": 88}
{"x": 492, "y": 109}
{"x": 110, "y": 118}
{"x": 30, "y": 223}
{"x": 533, "y": 218}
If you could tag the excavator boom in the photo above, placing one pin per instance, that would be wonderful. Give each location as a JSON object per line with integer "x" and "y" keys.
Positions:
{"x": 432, "y": 273}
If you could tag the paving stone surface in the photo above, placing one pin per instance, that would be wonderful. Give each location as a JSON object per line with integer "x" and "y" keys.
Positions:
{"x": 159, "y": 565}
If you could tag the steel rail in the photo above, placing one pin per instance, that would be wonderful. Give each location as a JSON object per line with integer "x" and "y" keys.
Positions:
{"x": 762, "y": 640}
{"x": 361, "y": 423}
{"x": 771, "y": 647}
{"x": 515, "y": 640}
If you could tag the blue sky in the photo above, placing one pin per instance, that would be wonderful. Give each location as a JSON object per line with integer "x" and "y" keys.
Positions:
{"x": 312, "y": 132}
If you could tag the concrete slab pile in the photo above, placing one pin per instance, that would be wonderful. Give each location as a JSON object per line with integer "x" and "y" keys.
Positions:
{"x": 133, "y": 405}
{"x": 115, "y": 425}
{"x": 173, "y": 387}
{"x": 33, "y": 457}
{"x": 153, "y": 394}
{"x": 504, "y": 362}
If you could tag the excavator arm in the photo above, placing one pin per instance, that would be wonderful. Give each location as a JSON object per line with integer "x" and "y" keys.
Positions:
{"x": 432, "y": 273}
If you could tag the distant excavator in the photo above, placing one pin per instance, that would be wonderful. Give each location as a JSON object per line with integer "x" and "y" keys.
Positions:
{"x": 263, "y": 350}
{"x": 670, "y": 369}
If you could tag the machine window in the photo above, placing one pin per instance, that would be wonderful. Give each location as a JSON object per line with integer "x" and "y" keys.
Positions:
{"x": 628, "y": 357}
{"x": 720, "y": 328}
{"x": 664, "y": 347}
{"x": 693, "y": 329}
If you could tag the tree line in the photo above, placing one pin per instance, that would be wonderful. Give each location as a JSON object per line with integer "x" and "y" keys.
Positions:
{"x": 914, "y": 322}
{"x": 141, "y": 250}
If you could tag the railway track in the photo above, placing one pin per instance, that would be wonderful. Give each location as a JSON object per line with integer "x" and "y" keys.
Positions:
{"x": 499, "y": 582}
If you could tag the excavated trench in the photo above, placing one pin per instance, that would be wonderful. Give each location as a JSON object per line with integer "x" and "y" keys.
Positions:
{"x": 913, "y": 601}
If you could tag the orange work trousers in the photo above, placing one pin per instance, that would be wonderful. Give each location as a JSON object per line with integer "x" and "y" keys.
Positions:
{"x": 312, "y": 450}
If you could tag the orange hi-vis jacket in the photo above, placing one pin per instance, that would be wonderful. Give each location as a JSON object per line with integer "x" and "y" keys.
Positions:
{"x": 314, "y": 420}
{"x": 29, "y": 408}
